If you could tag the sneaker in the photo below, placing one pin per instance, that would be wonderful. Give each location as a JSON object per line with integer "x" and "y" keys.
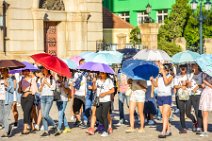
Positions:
{"x": 83, "y": 125}
{"x": 199, "y": 131}
{"x": 204, "y": 134}
{"x": 194, "y": 128}
{"x": 130, "y": 130}
{"x": 58, "y": 133}
{"x": 176, "y": 111}
{"x": 145, "y": 121}
{"x": 66, "y": 130}
{"x": 15, "y": 125}
{"x": 121, "y": 122}
{"x": 37, "y": 128}
{"x": 104, "y": 134}
{"x": 151, "y": 122}
{"x": 183, "y": 131}
{"x": 90, "y": 131}
{"x": 73, "y": 119}
{"x": 141, "y": 130}
{"x": 42, "y": 128}
{"x": 5, "y": 136}
{"x": 45, "y": 134}
{"x": 77, "y": 123}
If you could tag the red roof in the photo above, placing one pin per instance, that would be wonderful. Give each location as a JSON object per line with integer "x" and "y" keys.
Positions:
{"x": 111, "y": 20}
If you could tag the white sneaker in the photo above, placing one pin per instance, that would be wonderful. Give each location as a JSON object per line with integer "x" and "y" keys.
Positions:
{"x": 204, "y": 134}
{"x": 42, "y": 128}
{"x": 151, "y": 122}
{"x": 73, "y": 119}
{"x": 145, "y": 121}
{"x": 104, "y": 134}
{"x": 37, "y": 127}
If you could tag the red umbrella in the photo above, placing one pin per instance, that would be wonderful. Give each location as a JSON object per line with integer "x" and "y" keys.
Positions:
{"x": 52, "y": 63}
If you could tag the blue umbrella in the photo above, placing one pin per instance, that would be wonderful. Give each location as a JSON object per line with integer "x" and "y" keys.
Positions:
{"x": 185, "y": 57}
{"x": 139, "y": 69}
{"x": 205, "y": 63}
{"x": 28, "y": 66}
{"x": 128, "y": 52}
{"x": 71, "y": 64}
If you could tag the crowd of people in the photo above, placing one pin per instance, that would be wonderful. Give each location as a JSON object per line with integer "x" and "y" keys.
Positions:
{"x": 92, "y": 96}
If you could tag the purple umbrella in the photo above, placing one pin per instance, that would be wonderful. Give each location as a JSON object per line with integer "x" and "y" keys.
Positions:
{"x": 99, "y": 67}
{"x": 28, "y": 66}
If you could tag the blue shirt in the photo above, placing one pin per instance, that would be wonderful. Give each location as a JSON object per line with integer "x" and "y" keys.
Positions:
{"x": 9, "y": 91}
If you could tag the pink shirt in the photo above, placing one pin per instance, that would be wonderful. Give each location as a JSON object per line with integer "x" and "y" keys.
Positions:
{"x": 122, "y": 83}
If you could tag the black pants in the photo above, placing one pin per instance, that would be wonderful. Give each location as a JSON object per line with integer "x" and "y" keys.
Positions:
{"x": 185, "y": 108}
{"x": 198, "y": 113}
{"x": 101, "y": 113}
{"x": 78, "y": 103}
{"x": 26, "y": 104}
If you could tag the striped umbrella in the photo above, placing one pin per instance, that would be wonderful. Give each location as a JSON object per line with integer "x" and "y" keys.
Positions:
{"x": 152, "y": 55}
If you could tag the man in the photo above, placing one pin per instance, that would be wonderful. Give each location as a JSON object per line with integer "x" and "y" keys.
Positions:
{"x": 80, "y": 86}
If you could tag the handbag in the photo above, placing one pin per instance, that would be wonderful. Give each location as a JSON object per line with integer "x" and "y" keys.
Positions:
{"x": 183, "y": 94}
{"x": 57, "y": 96}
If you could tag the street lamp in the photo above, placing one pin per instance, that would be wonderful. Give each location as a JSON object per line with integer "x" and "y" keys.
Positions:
{"x": 148, "y": 10}
{"x": 194, "y": 4}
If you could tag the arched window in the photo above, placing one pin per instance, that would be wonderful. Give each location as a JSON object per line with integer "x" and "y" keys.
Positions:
{"x": 52, "y": 5}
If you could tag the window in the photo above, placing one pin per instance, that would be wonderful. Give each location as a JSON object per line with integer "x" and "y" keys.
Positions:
{"x": 162, "y": 15}
{"x": 141, "y": 17}
{"x": 125, "y": 16}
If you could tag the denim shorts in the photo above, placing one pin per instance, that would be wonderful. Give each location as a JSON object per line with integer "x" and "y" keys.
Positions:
{"x": 137, "y": 96}
{"x": 162, "y": 100}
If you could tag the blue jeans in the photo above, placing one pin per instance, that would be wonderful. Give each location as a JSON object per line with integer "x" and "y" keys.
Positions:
{"x": 122, "y": 98}
{"x": 46, "y": 105}
{"x": 88, "y": 104}
{"x": 5, "y": 115}
{"x": 61, "y": 106}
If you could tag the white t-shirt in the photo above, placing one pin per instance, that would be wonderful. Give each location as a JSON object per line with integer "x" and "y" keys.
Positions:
{"x": 196, "y": 80}
{"x": 83, "y": 85}
{"x": 164, "y": 90}
{"x": 48, "y": 91}
{"x": 104, "y": 87}
{"x": 180, "y": 79}
{"x": 2, "y": 90}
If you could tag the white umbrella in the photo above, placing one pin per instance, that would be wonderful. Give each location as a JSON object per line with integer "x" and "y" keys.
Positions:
{"x": 152, "y": 55}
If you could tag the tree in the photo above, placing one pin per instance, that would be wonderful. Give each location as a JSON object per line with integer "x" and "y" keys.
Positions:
{"x": 174, "y": 26}
{"x": 135, "y": 36}
{"x": 191, "y": 32}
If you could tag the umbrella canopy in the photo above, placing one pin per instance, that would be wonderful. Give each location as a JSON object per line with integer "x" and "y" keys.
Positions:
{"x": 116, "y": 53}
{"x": 71, "y": 64}
{"x": 105, "y": 58}
{"x": 185, "y": 57}
{"x": 205, "y": 63}
{"x": 76, "y": 59}
{"x": 52, "y": 63}
{"x": 152, "y": 55}
{"x": 139, "y": 69}
{"x": 128, "y": 52}
{"x": 28, "y": 66}
{"x": 86, "y": 53}
{"x": 97, "y": 67}
{"x": 11, "y": 64}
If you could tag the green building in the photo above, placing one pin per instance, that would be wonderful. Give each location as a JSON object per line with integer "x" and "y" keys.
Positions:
{"x": 134, "y": 11}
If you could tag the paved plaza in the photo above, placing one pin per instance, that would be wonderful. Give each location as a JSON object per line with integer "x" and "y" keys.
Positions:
{"x": 119, "y": 134}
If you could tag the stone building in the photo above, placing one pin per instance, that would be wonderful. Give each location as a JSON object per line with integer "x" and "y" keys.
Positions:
{"x": 60, "y": 27}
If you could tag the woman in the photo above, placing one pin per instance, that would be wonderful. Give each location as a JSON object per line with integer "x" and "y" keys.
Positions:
{"x": 164, "y": 97}
{"x": 6, "y": 99}
{"x": 137, "y": 99}
{"x": 62, "y": 88}
{"x": 28, "y": 87}
{"x": 205, "y": 102}
{"x": 37, "y": 101}
{"x": 196, "y": 90}
{"x": 104, "y": 88}
{"x": 46, "y": 89}
{"x": 181, "y": 85}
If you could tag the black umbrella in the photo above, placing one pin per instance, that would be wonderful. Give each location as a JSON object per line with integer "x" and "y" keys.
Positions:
{"x": 11, "y": 64}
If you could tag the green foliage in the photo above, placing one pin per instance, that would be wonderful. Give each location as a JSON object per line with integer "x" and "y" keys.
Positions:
{"x": 191, "y": 32}
{"x": 135, "y": 36}
{"x": 170, "y": 47}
